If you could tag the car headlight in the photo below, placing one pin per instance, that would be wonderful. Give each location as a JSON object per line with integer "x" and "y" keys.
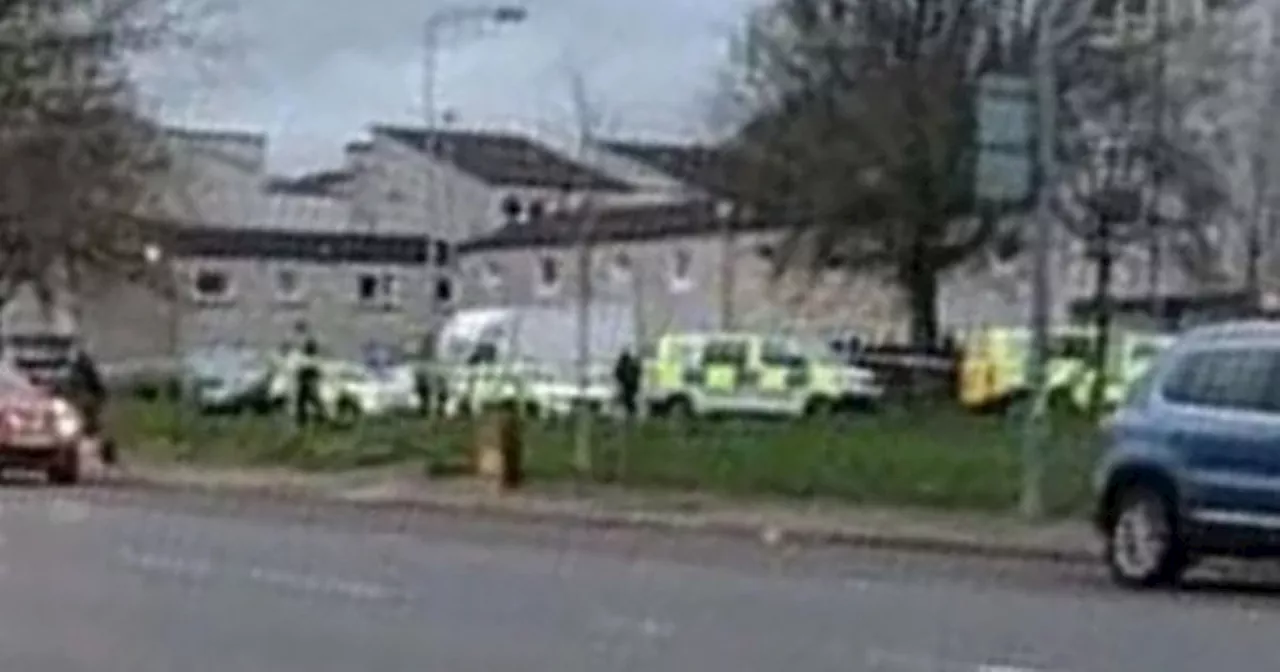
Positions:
{"x": 66, "y": 420}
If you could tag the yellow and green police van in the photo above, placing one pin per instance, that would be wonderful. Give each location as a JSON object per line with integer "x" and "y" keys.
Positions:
{"x": 743, "y": 373}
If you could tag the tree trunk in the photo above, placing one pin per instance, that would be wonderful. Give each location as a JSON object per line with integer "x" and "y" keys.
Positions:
{"x": 1101, "y": 321}
{"x": 920, "y": 284}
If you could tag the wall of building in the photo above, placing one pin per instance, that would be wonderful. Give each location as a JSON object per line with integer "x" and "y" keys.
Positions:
{"x": 265, "y": 301}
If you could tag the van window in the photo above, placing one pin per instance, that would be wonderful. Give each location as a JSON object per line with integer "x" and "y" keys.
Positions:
{"x": 782, "y": 353}
{"x": 731, "y": 352}
{"x": 1225, "y": 378}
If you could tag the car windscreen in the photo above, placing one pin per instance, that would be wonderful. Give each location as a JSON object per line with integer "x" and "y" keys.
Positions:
{"x": 12, "y": 381}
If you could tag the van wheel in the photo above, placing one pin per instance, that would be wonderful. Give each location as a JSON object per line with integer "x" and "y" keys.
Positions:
{"x": 679, "y": 408}
{"x": 817, "y": 408}
{"x": 1143, "y": 547}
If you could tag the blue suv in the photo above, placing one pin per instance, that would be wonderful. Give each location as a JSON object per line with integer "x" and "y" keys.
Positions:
{"x": 1192, "y": 466}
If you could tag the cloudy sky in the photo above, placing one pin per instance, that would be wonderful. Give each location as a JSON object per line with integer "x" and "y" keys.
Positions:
{"x": 313, "y": 73}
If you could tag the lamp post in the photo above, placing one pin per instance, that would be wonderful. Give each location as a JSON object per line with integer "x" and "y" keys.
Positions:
{"x": 450, "y": 18}
{"x": 154, "y": 255}
{"x": 1116, "y": 207}
{"x": 435, "y": 29}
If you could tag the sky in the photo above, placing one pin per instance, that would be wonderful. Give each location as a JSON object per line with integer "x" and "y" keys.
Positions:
{"x": 313, "y": 73}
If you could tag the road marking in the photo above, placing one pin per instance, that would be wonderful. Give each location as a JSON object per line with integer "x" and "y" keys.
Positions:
{"x": 647, "y": 627}
{"x": 315, "y": 583}
{"x": 167, "y": 564}
{"x": 915, "y": 662}
{"x": 200, "y": 568}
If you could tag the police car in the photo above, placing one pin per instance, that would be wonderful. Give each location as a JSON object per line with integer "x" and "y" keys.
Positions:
{"x": 742, "y": 373}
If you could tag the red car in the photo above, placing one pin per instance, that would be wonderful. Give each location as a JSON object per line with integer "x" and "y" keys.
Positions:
{"x": 39, "y": 431}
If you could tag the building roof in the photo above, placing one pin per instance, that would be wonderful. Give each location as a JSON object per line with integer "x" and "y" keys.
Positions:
{"x": 504, "y": 159}
{"x": 705, "y": 167}
{"x": 318, "y": 183}
{"x": 618, "y": 224}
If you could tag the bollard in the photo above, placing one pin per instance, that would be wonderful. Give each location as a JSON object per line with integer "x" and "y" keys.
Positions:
{"x": 499, "y": 451}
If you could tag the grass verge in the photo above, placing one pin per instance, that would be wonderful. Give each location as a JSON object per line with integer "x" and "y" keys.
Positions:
{"x": 942, "y": 459}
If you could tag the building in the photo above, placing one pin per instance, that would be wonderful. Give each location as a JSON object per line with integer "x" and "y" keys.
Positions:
{"x": 241, "y": 259}
{"x": 687, "y": 264}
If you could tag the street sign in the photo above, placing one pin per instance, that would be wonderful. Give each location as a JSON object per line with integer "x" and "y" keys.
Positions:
{"x": 1005, "y": 166}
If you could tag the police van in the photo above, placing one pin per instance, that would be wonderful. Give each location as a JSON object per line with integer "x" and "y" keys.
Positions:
{"x": 698, "y": 374}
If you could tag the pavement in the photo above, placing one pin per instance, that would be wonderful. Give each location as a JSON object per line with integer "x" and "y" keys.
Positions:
{"x": 815, "y": 522}
{"x": 136, "y": 580}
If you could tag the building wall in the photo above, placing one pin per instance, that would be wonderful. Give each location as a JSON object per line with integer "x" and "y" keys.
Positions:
{"x": 984, "y": 292}
{"x": 261, "y": 310}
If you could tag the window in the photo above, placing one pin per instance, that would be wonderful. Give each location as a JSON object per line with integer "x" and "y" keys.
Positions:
{"x": 781, "y": 352}
{"x": 1225, "y": 378}
{"x": 211, "y": 285}
{"x": 725, "y": 352}
{"x": 681, "y": 268}
{"x": 621, "y": 268}
{"x": 485, "y": 353}
{"x": 444, "y": 290}
{"x": 12, "y": 380}
{"x": 288, "y": 285}
{"x": 381, "y": 290}
{"x": 548, "y": 274}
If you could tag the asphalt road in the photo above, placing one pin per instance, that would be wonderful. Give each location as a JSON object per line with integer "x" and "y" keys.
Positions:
{"x": 152, "y": 583}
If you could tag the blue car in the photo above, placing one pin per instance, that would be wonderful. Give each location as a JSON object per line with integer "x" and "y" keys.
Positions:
{"x": 1192, "y": 467}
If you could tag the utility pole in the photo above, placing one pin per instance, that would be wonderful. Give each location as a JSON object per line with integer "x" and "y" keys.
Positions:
{"x": 1160, "y": 105}
{"x": 725, "y": 213}
{"x": 582, "y": 449}
{"x": 1035, "y": 431}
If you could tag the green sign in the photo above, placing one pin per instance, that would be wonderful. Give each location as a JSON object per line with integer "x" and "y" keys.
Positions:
{"x": 1005, "y": 170}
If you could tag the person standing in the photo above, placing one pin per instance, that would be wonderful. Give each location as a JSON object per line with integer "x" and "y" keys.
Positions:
{"x": 307, "y": 405}
{"x": 626, "y": 373}
{"x": 89, "y": 394}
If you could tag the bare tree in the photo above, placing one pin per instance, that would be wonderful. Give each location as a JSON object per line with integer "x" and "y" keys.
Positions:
{"x": 863, "y": 127}
{"x": 78, "y": 159}
{"x": 1155, "y": 155}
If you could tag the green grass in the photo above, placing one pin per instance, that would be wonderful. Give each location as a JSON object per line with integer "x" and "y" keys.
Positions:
{"x": 943, "y": 458}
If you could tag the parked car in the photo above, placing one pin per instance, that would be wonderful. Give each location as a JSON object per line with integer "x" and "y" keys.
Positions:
{"x": 230, "y": 381}
{"x": 38, "y": 430}
{"x": 1192, "y": 465}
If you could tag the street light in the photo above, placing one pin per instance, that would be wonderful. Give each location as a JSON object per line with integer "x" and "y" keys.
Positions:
{"x": 434, "y": 30}
{"x": 1117, "y": 205}
{"x": 451, "y": 18}
{"x": 154, "y": 256}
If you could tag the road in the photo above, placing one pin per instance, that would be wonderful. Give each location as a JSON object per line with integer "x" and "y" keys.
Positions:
{"x": 151, "y": 583}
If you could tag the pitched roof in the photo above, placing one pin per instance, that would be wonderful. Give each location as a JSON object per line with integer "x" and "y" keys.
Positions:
{"x": 706, "y": 167}
{"x": 503, "y": 159}
{"x": 319, "y": 183}
{"x": 619, "y": 224}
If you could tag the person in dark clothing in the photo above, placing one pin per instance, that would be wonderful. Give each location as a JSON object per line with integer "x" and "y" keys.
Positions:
{"x": 307, "y": 406}
{"x": 87, "y": 392}
{"x": 626, "y": 373}
{"x": 422, "y": 386}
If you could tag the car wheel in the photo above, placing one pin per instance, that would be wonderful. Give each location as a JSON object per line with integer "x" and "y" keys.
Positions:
{"x": 1143, "y": 548}
{"x": 66, "y": 471}
{"x": 347, "y": 413}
